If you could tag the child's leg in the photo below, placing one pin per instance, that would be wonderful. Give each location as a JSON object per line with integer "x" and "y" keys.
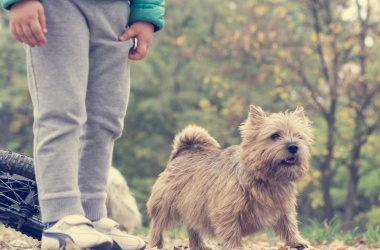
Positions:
{"x": 58, "y": 74}
{"x": 106, "y": 100}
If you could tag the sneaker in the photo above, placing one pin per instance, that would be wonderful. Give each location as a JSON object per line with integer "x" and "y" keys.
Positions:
{"x": 121, "y": 240}
{"x": 74, "y": 232}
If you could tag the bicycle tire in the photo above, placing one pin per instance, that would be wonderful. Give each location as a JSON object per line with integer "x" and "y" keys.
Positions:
{"x": 17, "y": 165}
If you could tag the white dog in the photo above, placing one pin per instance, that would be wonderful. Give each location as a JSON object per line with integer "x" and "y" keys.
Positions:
{"x": 121, "y": 205}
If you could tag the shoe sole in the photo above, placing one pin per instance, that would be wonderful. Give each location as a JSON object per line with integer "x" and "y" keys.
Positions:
{"x": 67, "y": 243}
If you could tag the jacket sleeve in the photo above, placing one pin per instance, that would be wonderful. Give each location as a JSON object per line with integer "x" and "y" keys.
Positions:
{"x": 7, "y": 4}
{"x": 148, "y": 11}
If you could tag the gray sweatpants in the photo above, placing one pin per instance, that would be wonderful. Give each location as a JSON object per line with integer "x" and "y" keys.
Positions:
{"x": 79, "y": 84}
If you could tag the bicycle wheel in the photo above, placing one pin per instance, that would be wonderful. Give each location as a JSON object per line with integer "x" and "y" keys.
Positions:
{"x": 19, "y": 208}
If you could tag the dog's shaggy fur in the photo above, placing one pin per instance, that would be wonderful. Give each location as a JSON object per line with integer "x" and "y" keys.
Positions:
{"x": 233, "y": 192}
{"x": 121, "y": 205}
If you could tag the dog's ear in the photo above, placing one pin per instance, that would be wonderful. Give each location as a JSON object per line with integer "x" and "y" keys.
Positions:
{"x": 256, "y": 115}
{"x": 308, "y": 129}
{"x": 300, "y": 112}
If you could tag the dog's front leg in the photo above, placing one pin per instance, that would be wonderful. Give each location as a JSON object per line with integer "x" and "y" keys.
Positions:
{"x": 196, "y": 240}
{"x": 287, "y": 228}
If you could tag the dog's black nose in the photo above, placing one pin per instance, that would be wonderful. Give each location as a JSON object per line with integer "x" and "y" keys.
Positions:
{"x": 292, "y": 148}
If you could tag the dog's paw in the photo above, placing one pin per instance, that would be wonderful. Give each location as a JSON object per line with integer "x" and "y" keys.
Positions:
{"x": 300, "y": 244}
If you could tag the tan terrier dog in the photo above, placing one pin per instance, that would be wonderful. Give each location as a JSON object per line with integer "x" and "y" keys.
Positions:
{"x": 234, "y": 192}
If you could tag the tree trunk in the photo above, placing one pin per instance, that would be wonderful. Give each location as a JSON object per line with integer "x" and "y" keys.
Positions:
{"x": 351, "y": 197}
{"x": 326, "y": 177}
{"x": 331, "y": 77}
{"x": 361, "y": 96}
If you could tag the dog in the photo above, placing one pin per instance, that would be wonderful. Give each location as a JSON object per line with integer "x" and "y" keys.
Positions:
{"x": 234, "y": 192}
{"x": 121, "y": 205}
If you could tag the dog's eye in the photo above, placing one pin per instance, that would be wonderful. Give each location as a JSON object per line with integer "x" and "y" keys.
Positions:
{"x": 299, "y": 136}
{"x": 275, "y": 136}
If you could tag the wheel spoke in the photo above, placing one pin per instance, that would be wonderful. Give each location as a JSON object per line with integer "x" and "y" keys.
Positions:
{"x": 19, "y": 207}
{"x": 13, "y": 191}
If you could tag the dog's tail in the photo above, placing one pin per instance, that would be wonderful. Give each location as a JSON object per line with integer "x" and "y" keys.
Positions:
{"x": 192, "y": 137}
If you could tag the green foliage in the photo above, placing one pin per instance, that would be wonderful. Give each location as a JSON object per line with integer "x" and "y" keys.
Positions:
{"x": 141, "y": 188}
{"x": 369, "y": 219}
{"x": 316, "y": 231}
{"x": 372, "y": 235}
{"x": 15, "y": 104}
{"x": 323, "y": 232}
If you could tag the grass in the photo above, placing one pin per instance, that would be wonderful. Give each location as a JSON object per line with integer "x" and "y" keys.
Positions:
{"x": 320, "y": 235}
{"x": 373, "y": 235}
{"x": 317, "y": 232}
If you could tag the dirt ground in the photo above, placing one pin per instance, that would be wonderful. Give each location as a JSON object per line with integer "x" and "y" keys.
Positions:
{"x": 10, "y": 239}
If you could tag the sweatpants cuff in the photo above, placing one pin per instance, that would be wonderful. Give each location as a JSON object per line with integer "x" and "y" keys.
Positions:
{"x": 55, "y": 209}
{"x": 95, "y": 209}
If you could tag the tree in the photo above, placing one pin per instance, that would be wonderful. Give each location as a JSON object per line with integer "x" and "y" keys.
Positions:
{"x": 15, "y": 104}
{"x": 305, "y": 61}
{"x": 363, "y": 93}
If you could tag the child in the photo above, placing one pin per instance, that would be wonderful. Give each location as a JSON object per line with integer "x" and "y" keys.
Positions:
{"x": 78, "y": 75}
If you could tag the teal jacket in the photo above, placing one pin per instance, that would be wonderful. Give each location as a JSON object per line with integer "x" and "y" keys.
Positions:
{"x": 141, "y": 10}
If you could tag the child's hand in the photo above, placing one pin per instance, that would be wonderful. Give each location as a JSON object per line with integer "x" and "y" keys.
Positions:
{"x": 143, "y": 31}
{"x": 27, "y": 22}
